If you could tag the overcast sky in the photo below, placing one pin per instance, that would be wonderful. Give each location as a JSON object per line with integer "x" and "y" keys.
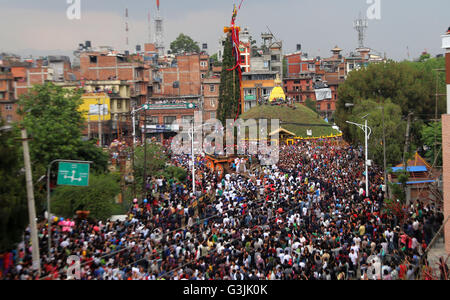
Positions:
{"x": 41, "y": 27}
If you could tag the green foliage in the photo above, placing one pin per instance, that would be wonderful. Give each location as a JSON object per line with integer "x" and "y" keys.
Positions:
{"x": 229, "y": 92}
{"x": 176, "y": 173}
{"x": 410, "y": 85}
{"x": 399, "y": 190}
{"x": 215, "y": 58}
{"x": 311, "y": 104}
{"x": 431, "y": 136}
{"x": 184, "y": 44}
{"x": 291, "y": 118}
{"x": 395, "y": 129}
{"x": 285, "y": 66}
{"x": 424, "y": 57}
{"x": 156, "y": 162}
{"x": 55, "y": 125}
{"x": 13, "y": 198}
{"x": 98, "y": 198}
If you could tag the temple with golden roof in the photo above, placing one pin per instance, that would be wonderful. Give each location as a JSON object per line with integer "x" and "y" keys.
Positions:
{"x": 277, "y": 92}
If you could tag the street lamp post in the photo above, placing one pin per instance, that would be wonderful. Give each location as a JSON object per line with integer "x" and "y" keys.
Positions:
{"x": 191, "y": 134}
{"x": 367, "y": 132}
{"x": 31, "y": 203}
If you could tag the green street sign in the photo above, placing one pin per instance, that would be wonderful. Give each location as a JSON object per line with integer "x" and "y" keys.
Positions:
{"x": 74, "y": 174}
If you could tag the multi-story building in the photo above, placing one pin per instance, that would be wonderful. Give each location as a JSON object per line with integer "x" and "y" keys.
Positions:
{"x": 318, "y": 79}
{"x": 8, "y": 103}
{"x": 119, "y": 105}
{"x": 110, "y": 66}
{"x": 184, "y": 76}
{"x": 211, "y": 88}
{"x": 17, "y": 77}
{"x": 181, "y": 94}
{"x": 257, "y": 87}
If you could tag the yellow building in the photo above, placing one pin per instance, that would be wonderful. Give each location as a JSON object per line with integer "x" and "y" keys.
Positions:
{"x": 257, "y": 86}
{"x": 96, "y": 105}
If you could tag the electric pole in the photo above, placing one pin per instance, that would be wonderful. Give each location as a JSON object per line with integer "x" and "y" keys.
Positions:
{"x": 31, "y": 204}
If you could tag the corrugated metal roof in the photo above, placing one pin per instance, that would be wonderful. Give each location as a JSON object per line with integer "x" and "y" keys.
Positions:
{"x": 411, "y": 169}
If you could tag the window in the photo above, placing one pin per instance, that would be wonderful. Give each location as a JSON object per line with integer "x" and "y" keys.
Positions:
{"x": 212, "y": 115}
{"x": 329, "y": 106}
{"x": 203, "y": 76}
{"x": 153, "y": 120}
{"x": 119, "y": 104}
{"x": 318, "y": 107}
{"x": 2, "y": 95}
{"x": 9, "y": 118}
{"x": 168, "y": 120}
{"x": 212, "y": 88}
{"x": 203, "y": 64}
{"x": 213, "y": 103}
{"x": 296, "y": 81}
{"x": 8, "y": 107}
{"x": 187, "y": 119}
{"x": 93, "y": 59}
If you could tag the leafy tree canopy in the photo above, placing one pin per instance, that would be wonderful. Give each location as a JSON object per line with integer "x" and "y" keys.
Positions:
{"x": 395, "y": 129}
{"x": 55, "y": 125}
{"x": 229, "y": 91}
{"x": 409, "y": 85}
{"x": 13, "y": 198}
{"x": 431, "y": 135}
{"x": 184, "y": 44}
{"x": 98, "y": 198}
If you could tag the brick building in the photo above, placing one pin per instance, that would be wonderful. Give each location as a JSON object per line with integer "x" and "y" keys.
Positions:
{"x": 184, "y": 76}
{"x": 119, "y": 94}
{"x": 318, "y": 79}
{"x": 16, "y": 79}
{"x": 163, "y": 112}
{"x": 8, "y": 105}
{"x": 446, "y": 142}
{"x": 184, "y": 90}
{"x": 110, "y": 65}
{"x": 211, "y": 88}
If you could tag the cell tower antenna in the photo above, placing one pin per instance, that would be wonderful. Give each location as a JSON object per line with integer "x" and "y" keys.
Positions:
{"x": 149, "y": 27}
{"x": 127, "y": 29}
{"x": 361, "y": 25}
{"x": 159, "y": 33}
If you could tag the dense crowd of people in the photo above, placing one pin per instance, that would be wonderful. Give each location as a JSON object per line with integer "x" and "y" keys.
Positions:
{"x": 306, "y": 218}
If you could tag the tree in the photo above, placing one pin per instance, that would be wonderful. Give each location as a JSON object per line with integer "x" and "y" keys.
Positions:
{"x": 156, "y": 163}
{"x": 431, "y": 135}
{"x": 97, "y": 198}
{"x": 184, "y": 44}
{"x": 229, "y": 91}
{"x": 55, "y": 125}
{"x": 394, "y": 126}
{"x": 13, "y": 197}
{"x": 311, "y": 104}
{"x": 409, "y": 85}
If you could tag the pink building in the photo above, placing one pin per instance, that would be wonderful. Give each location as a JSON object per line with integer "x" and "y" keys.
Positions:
{"x": 446, "y": 142}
